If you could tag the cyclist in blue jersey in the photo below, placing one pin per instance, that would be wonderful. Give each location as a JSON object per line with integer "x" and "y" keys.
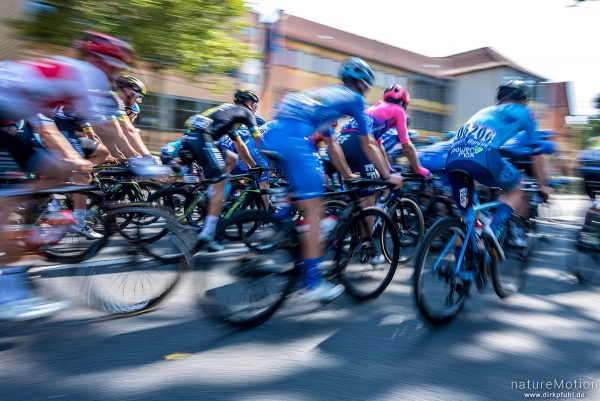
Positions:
{"x": 298, "y": 116}
{"x": 475, "y": 151}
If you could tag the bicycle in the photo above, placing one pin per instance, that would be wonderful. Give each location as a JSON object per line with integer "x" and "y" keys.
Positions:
{"x": 457, "y": 252}
{"x": 247, "y": 291}
{"x": 137, "y": 288}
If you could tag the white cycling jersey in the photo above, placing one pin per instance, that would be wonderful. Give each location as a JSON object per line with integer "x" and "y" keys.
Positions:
{"x": 31, "y": 87}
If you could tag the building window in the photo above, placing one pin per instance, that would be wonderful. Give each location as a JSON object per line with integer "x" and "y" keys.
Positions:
{"x": 169, "y": 113}
{"x": 149, "y": 116}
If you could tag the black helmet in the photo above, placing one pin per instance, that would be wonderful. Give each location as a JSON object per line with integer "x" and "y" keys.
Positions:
{"x": 242, "y": 95}
{"x": 514, "y": 90}
{"x": 128, "y": 81}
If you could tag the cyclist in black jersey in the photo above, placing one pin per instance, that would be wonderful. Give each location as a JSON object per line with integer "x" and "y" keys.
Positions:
{"x": 204, "y": 130}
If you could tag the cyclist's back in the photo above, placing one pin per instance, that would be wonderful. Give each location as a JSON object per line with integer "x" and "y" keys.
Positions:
{"x": 228, "y": 117}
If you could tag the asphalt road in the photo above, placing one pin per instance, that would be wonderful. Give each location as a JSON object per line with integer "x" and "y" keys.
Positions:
{"x": 379, "y": 350}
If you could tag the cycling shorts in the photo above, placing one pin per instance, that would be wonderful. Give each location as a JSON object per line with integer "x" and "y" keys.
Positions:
{"x": 301, "y": 164}
{"x": 485, "y": 166}
{"x": 201, "y": 148}
{"x": 357, "y": 160}
{"x": 27, "y": 156}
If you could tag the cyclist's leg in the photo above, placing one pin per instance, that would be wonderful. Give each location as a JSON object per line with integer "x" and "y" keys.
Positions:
{"x": 506, "y": 177}
{"x": 94, "y": 151}
{"x": 304, "y": 171}
{"x": 16, "y": 297}
{"x": 208, "y": 156}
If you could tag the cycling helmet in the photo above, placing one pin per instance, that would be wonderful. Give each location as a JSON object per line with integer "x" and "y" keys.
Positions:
{"x": 198, "y": 122}
{"x": 113, "y": 51}
{"x": 396, "y": 94}
{"x": 356, "y": 69}
{"x": 259, "y": 121}
{"x": 242, "y": 95}
{"x": 513, "y": 90}
{"x": 127, "y": 81}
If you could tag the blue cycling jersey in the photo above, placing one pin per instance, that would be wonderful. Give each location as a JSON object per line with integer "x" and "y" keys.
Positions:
{"x": 491, "y": 127}
{"x": 321, "y": 106}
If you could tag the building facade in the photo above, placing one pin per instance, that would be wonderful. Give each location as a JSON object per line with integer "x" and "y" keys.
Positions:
{"x": 298, "y": 54}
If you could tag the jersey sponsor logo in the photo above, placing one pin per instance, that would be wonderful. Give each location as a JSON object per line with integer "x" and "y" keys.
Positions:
{"x": 475, "y": 135}
{"x": 466, "y": 152}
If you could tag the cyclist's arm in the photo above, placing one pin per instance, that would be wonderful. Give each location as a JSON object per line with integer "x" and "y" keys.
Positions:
{"x": 538, "y": 163}
{"x": 385, "y": 156}
{"x": 374, "y": 155}
{"x": 133, "y": 137}
{"x": 337, "y": 158}
{"x": 112, "y": 137}
{"x": 242, "y": 150}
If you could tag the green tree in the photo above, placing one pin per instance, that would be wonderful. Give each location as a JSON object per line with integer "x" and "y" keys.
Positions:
{"x": 191, "y": 36}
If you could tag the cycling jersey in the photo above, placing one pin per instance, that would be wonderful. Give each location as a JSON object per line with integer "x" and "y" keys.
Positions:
{"x": 227, "y": 118}
{"x": 31, "y": 87}
{"x": 475, "y": 148}
{"x": 245, "y": 135}
{"x": 298, "y": 116}
{"x": 381, "y": 117}
{"x": 322, "y": 106}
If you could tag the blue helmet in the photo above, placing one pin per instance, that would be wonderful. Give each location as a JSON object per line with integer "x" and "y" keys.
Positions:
{"x": 356, "y": 69}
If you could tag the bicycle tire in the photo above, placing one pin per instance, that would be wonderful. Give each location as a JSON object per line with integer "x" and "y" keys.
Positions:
{"x": 509, "y": 276}
{"x": 445, "y": 272}
{"x": 384, "y": 226}
{"x": 244, "y": 270}
{"x": 105, "y": 300}
{"x": 408, "y": 217}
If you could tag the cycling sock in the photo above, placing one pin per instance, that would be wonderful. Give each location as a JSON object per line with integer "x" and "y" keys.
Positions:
{"x": 13, "y": 284}
{"x": 311, "y": 273}
{"x": 79, "y": 215}
{"x": 210, "y": 225}
{"x": 500, "y": 218}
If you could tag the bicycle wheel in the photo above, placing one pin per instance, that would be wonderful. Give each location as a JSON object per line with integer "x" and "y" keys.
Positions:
{"x": 439, "y": 293}
{"x": 254, "y": 203}
{"x": 587, "y": 258}
{"x": 70, "y": 246}
{"x": 359, "y": 258}
{"x": 245, "y": 288}
{"x": 135, "y": 281}
{"x": 508, "y": 276}
{"x": 409, "y": 219}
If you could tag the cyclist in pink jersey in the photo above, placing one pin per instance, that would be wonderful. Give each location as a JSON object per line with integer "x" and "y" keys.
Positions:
{"x": 384, "y": 115}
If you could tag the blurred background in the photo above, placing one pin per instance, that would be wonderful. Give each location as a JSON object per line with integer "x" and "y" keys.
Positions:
{"x": 192, "y": 54}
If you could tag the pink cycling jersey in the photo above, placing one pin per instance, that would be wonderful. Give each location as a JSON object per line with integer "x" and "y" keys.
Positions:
{"x": 381, "y": 117}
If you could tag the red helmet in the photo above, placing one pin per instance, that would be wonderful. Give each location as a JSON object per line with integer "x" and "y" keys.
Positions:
{"x": 114, "y": 51}
{"x": 396, "y": 94}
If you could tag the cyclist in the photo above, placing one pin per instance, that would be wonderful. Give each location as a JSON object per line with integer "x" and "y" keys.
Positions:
{"x": 365, "y": 153}
{"x": 107, "y": 56}
{"x": 29, "y": 88}
{"x": 475, "y": 150}
{"x": 131, "y": 91}
{"x": 298, "y": 116}
{"x": 208, "y": 127}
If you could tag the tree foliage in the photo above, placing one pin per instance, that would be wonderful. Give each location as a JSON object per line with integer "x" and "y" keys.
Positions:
{"x": 192, "y": 36}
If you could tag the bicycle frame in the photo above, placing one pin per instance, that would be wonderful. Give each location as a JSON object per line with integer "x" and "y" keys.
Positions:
{"x": 470, "y": 236}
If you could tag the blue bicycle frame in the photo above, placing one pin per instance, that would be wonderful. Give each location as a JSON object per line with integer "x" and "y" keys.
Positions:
{"x": 470, "y": 236}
